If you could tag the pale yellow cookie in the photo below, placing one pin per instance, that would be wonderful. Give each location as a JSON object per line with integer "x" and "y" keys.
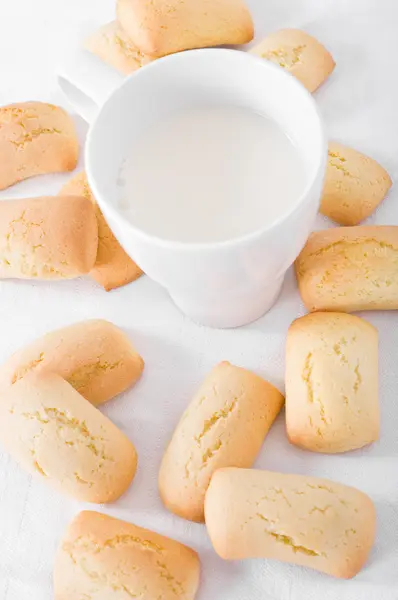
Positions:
{"x": 162, "y": 27}
{"x": 113, "y": 267}
{"x": 47, "y": 238}
{"x": 225, "y": 425}
{"x": 52, "y": 431}
{"x": 349, "y": 269}
{"x": 113, "y": 46}
{"x": 95, "y": 357}
{"x": 305, "y": 521}
{"x": 354, "y": 186}
{"x": 332, "y": 395}
{"x": 300, "y": 54}
{"x": 35, "y": 138}
{"x": 103, "y": 558}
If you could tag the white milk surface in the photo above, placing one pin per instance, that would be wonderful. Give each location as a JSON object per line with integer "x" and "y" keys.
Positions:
{"x": 210, "y": 174}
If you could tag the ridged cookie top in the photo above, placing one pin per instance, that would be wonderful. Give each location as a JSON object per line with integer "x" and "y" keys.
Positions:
{"x": 300, "y": 54}
{"x": 355, "y": 184}
{"x": 350, "y": 268}
{"x": 162, "y": 27}
{"x": 332, "y": 382}
{"x": 53, "y": 432}
{"x": 104, "y": 557}
{"x": 112, "y": 45}
{"x": 35, "y": 138}
{"x": 47, "y": 237}
{"x": 224, "y": 425}
{"x": 302, "y": 520}
{"x": 95, "y": 357}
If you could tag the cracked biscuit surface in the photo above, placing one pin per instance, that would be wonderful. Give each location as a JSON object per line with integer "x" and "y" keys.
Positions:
{"x": 355, "y": 185}
{"x": 300, "y": 54}
{"x": 35, "y": 138}
{"x": 162, "y": 27}
{"x": 332, "y": 402}
{"x": 102, "y": 557}
{"x": 47, "y": 238}
{"x": 350, "y": 269}
{"x": 224, "y": 425}
{"x": 53, "y": 432}
{"x": 94, "y": 356}
{"x": 306, "y": 521}
{"x": 113, "y": 46}
{"x": 113, "y": 267}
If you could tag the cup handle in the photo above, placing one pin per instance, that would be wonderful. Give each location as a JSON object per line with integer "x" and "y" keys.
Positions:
{"x": 87, "y": 82}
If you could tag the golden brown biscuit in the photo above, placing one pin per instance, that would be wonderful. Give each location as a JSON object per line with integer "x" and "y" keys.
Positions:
{"x": 52, "y": 431}
{"x": 332, "y": 396}
{"x": 225, "y": 425}
{"x": 35, "y": 138}
{"x": 95, "y": 357}
{"x": 349, "y": 269}
{"x": 162, "y": 27}
{"x": 47, "y": 238}
{"x": 111, "y": 44}
{"x": 306, "y": 521}
{"x": 354, "y": 186}
{"x": 101, "y": 557}
{"x": 300, "y": 54}
{"x": 113, "y": 267}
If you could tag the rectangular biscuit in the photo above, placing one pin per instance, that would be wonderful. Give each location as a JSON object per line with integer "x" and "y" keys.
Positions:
{"x": 350, "y": 269}
{"x": 53, "y": 432}
{"x": 101, "y": 557}
{"x": 224, "y": 425}
{"x": 354, "y": 186}
{"x": 47, "y": 238}
{"x": 162, "y": 27}
{"x": 300, "y": 54}
{"x": 332, "y": 402}
{"x": 113, "y": 267}
{"x": 113, "y": 46}
{"x": 94, "y": 356}
{"x": 35, "y": 138}
{"x": 305, "y": 521}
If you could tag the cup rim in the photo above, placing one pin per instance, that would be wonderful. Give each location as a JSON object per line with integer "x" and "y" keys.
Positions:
{"x": 224, "y": 244}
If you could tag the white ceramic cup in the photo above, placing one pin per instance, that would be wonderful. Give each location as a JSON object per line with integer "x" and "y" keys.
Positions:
{"x": 223, "y": 284}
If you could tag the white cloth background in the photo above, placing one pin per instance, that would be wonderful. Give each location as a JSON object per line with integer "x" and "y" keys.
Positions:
{"x": 360, "y": 107}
